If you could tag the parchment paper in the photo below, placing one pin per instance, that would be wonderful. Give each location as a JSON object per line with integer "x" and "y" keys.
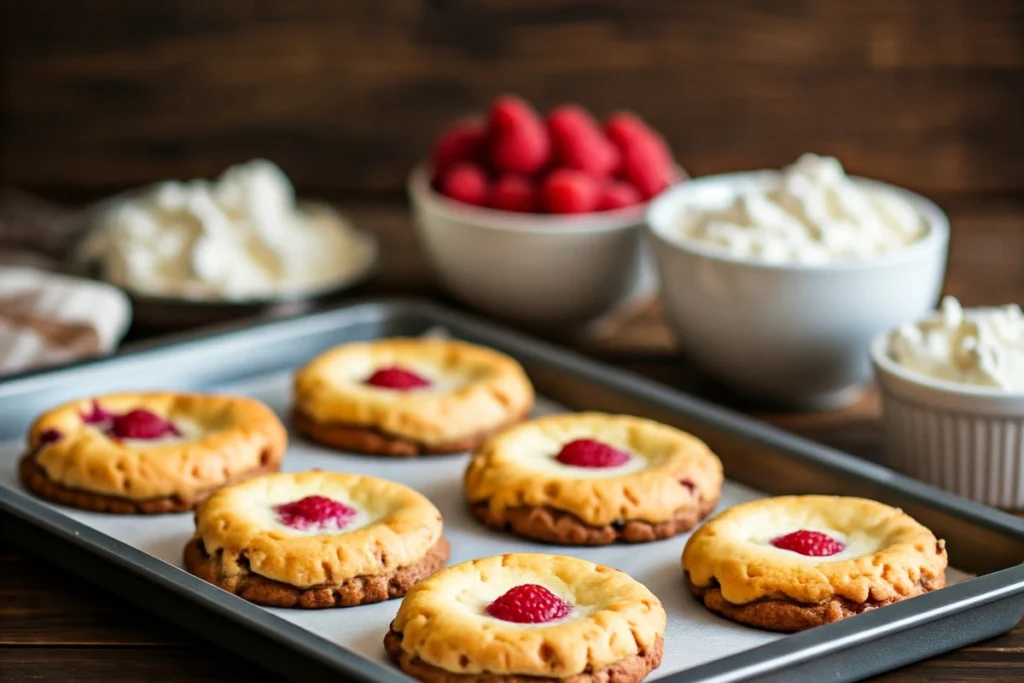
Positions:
{"x": 694, "y": 635}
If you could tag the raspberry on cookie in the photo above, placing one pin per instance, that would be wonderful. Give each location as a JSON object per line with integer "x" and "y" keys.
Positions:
{"x": 525, "y": 617}
{"x": 149, "y": 453}
{"x": 593, "y": 479}
{"x": 409, "y": 397}
{"x": 316, "y": 539}
{"x": 795, "y": 562}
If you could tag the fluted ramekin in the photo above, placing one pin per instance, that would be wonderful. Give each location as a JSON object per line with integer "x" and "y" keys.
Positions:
{"x": 962, "y": 438}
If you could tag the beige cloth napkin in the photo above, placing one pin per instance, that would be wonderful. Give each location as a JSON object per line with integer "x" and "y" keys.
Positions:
{"x": 46, "y": 318}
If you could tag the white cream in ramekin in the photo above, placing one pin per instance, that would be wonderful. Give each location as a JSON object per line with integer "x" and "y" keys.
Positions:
{"x": 953, "y": 411}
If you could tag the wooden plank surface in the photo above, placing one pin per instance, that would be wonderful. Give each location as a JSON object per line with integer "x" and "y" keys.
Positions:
{"x": 99, "y": 95}
{"x": 54, "y": 626}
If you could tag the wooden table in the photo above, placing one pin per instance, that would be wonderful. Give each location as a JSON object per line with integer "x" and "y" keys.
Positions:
{"x": 55, "y": 626}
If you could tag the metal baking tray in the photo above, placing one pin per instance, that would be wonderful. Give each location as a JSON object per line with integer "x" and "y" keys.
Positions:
{"x": 301, "y": 645}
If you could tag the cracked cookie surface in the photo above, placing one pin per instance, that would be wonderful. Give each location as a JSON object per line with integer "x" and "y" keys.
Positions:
{"x": 592, "y": 478}
{"x": 409, "y": 396}
{"x": 767, "y": 563}
{"x": 444, "y": 629}
{"x": 149, "y": 452}
{"x": 312, "y": 531}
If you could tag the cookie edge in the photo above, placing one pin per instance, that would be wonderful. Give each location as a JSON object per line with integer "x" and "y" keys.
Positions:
{"x": 280, "y": 594}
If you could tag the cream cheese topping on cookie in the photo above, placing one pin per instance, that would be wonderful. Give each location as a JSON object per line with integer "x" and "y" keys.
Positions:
{"x": 536, "y": 451}
{"x": 471, "y": 600}
{"x": 857, "y": 544}
{"x": 260, "y": 506}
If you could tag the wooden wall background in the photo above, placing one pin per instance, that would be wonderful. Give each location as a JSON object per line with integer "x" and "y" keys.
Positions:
{"x": 98, "y": 95}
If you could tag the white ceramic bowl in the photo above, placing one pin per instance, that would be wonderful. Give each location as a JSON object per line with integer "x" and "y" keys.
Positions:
{"x": 559, "y": 273}
{"x": 964, "y": 439}
{"x": 791, "y": 333}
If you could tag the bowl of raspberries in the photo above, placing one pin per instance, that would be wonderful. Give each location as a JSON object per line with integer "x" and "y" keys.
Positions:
{"x": 538, "y": 219}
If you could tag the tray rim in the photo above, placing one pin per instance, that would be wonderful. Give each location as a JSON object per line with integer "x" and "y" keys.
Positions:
{"x": 787, "y": 651}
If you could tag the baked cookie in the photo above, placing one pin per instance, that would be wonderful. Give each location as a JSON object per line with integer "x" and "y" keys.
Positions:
{"x": 316, "y": 539}
{"x": 592, "y": 479}
{"x": 526, "y": 618}
{"x": 409, "y": 396}
{"x": 149, "y": 452}
{"x": 794, "y": 562}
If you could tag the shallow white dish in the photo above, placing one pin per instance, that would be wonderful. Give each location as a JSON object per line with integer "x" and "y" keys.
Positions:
{"x": 791, "y": 333}
{"x": 965, "y": 439}
{"x": 560, "y": 273}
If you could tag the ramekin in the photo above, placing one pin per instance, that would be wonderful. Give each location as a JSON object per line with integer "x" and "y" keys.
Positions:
{"x": 966, "y": 439}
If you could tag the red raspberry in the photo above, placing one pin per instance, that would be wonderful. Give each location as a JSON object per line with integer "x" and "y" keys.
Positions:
{"x": 591, "y": 453}
{"x": 143, "y": 425}
{"x": 50, "y": 436}
{"x": 529, "y": 603}
{"x": 617, "y": 195}
{"x": 397, "y": 378}
{"x": 97, "y": 414}
{"x": 315, "y": 512}
{"x": 461, "y": 141}
{"x": 569, "y": 191}
{"x": 811, "y": 543}
{"x": 646, "y": 159}
{"x": 514, "y": 193}
{"x": 467, "y": 183}
{"x": 579, "y": 142}
{"x": 518, "y": 141}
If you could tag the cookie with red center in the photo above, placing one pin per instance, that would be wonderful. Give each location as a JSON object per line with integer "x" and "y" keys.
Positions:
{"x": 794, "y": 562}
{"x": 409, "y": 397}
{"x": 520, "y": 617}
{"x": 149, "y": 452}
{"x": 316, "y": 539}
{"x": 593, "y": 479}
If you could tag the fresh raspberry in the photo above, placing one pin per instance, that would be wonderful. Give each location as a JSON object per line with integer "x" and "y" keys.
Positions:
{"x": 50, "y": 436}
{"x": 143, "y": 425}
{"x": 514, "y": 193}
{"x": 397, "y": 378}
{"x": 646, "y": 158}
{"x": 811, "y": 543}
{"x": 616, "y": 194}
{"x": 465, "y": 182}
{"x": 529, "y": 603}
{"x": 517, "y": 137}
{"x": 96, "y": 414}
{"x": 569, "y": 191}
{"x": 316, "y": 512}
{"x": 642, "y": 166}
{"x": 591, "y": 453}
{"x": 461, "y": 141}
{"x": 579, "y": 142}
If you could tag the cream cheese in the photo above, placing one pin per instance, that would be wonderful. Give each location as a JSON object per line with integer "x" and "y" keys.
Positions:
{"x": 982, "y": 347}
{"x": 241, "y": 236}
{"x": 814, "y": 214}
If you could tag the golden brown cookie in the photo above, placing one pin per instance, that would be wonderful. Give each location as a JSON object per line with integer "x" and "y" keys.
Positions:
{"x": 592, "y": 479}
{"x": 794, "y": 562}
{"x": 409, "y": 397}
{"x": 316, "y": 539}
{"x": 149, "y": 452}
{"x": 528, "y": 618}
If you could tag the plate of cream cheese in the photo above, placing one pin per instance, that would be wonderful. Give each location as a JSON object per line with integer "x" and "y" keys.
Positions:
{"x": 239, "y": 242}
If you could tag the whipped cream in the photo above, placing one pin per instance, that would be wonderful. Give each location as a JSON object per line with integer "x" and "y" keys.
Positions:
{"x": 982, "y": 347}
{"x": 813, "y": 214}
{"x": 241, "y": 236}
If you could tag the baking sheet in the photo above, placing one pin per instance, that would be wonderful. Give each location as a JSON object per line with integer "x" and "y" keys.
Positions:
{"x": 694, "y": 636}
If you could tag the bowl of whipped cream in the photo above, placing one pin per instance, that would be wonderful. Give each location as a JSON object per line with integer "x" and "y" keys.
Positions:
{"x": 953, "y": 400}
{"x": 775, "y": 282}
{"x": 198, "y": 251}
